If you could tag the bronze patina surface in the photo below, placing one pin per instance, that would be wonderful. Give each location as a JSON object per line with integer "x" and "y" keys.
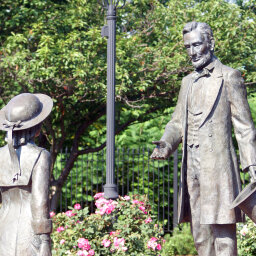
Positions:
{"x": 25, "y": 225}
{"x": 211, "y": 101}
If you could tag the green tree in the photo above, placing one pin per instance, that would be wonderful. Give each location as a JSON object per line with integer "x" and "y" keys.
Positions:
{"x": 55, "y": 47}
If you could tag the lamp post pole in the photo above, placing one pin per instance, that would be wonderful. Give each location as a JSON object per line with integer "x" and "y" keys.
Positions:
{"x": 109, "y": 31}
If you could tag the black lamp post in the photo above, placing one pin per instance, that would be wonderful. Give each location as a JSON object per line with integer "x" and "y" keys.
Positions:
{"x": 110, "y": 189}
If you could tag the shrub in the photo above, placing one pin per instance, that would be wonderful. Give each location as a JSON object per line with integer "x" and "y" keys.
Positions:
{"x": 246, "y": 238}
{"x": 121, "y": 227}
{"x": 180, "y": 243}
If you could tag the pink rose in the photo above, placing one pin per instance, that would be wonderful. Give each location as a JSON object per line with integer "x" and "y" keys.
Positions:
{"x": 101, "y": 202}
{"x": 77, "y": 206}
{"x": 135, "y": 201}
{"x": 62, "y": 241}
{"x": 91, "y": 252}
{"x": 106, "y": 242}
{"x": 110, "y": 208}
{"x": 124, "y": 248}
{"x": 118, "y": 242}
{"x": 105, "y": 206}
{"x": 83, "y": 244}
{"x": 80, "y": 253}
{"x": 52, "y": 214}
{"x": 127, "y": 198}
{"x": 70, "y": 213}
{"x": 148, "y": 220}
{"x": 158, "y": 247}
{"x": 142, "y": 208}
{"x": 152, "y": 243}
{"x": 60, "y": 229}
{"x": 114, "y": 233}
{"x": 98, "y": 195}
{"x": 153, "y": 239}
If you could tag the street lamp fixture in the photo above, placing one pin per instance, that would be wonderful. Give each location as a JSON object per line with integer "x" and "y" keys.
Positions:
{"x": 109, "y": 31}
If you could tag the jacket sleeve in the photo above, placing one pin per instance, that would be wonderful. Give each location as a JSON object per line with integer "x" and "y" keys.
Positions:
{"x": 242, "y": 120}
{"x": 40, "y": 195}
{"x": 173, "y": 130}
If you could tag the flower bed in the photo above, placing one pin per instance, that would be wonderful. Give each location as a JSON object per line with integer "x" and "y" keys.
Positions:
{"x": 246, "y": 238}
{"x": 121, "y": 227}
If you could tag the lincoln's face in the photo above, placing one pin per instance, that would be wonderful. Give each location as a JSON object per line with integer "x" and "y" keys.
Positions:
{"x": 198, "y": 48}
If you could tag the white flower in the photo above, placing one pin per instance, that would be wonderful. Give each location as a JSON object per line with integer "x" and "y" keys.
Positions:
{"x": 244, "y": 230}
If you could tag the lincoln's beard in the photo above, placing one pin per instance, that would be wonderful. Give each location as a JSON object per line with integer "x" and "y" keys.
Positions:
{"x": 203, "y": 60}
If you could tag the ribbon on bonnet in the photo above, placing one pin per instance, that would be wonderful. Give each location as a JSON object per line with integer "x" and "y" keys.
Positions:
{"x": 14, "y": 157}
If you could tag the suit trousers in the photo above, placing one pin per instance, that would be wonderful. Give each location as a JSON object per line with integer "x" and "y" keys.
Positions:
{"x": 209, "y": 239}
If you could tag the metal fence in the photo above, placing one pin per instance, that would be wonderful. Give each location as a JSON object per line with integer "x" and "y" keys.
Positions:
{"x": 135, "y": 174}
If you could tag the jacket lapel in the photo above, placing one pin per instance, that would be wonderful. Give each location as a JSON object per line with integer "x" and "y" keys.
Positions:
{"x": 215, "y": 82}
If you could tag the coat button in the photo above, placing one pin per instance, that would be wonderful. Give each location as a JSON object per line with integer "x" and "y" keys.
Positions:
{"x": 210, "y": 121}
{"x": 210, "y": 135}
{"x": 211, "y": 150}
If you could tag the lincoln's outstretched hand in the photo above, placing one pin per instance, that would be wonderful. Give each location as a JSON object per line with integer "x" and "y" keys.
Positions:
{"x": 162, "y": 151}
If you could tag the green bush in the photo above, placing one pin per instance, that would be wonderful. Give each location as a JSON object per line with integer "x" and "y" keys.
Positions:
{"x": 121, "y": 227}
{"x": 180, "y": 243}
{"x": 246, "y": 238}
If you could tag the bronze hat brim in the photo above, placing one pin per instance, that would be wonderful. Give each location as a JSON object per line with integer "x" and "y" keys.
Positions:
{"x": 47, "y": 105}
{"x": 244, "y": 194}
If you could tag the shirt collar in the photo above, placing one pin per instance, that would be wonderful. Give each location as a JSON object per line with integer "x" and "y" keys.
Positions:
{"x": 211, "y": 65}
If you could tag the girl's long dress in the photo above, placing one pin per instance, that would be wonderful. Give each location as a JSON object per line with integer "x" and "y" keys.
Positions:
{"x": 17, "y": 237}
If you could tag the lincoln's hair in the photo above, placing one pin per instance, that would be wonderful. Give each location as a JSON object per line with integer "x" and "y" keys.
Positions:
{"x": 204, "y": 28}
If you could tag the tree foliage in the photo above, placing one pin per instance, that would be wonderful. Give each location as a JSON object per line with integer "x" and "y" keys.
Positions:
{"x": 55, "y": 47}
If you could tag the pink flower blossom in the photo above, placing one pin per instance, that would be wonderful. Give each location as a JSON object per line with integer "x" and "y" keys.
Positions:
{"x": 91, "y": 252}
{"x": 118, "y": 242}
{"x": 62, "y": 241}
{"x": 83, "y": 244}
{"x": 60, "y": 229}
{"x": 114, "y": 233}
{"x": 100, "y": 202}
{"x": 244, "y": 230}
{"x": 81, "y": 253}
{"x": 52, "y": 214}
{"x": 106, "y": 242}
{"x": 158, "y": 247}
{"x": 153, "y": 239}
{"x": 77, "y": 206}
{"x": 152, "y": 243}
{"x": 98, "y": 195}
{"x": 135, "y": 201}
{"x": 124, "y": 248}
{"x": 110, "y": 208}
{"x": 142, "y": 208}
{"x": 127, "y": 198}
{"x": 70, "y": 213}
{"x": 105, "y": 206}
{"x": 148, "y": 220}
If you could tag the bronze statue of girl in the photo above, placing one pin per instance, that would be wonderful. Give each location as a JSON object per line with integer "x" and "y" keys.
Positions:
{"x": 25, "y": 225}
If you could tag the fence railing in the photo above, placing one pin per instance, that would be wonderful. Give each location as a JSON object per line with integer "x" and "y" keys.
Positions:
{"x": 135, "y": 174}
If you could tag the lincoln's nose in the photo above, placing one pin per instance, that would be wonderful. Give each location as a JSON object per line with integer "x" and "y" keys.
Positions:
{"x": 191, "y": 51}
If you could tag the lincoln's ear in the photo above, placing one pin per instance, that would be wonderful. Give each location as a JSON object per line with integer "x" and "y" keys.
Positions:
{"x": 212, "y": 44}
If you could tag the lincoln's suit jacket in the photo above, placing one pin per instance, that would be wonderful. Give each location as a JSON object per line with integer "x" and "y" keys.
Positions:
{"x": 225, "y": 104}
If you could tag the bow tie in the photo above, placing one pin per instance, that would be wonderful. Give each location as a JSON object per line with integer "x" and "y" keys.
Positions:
{"x": 197, "y": 75}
